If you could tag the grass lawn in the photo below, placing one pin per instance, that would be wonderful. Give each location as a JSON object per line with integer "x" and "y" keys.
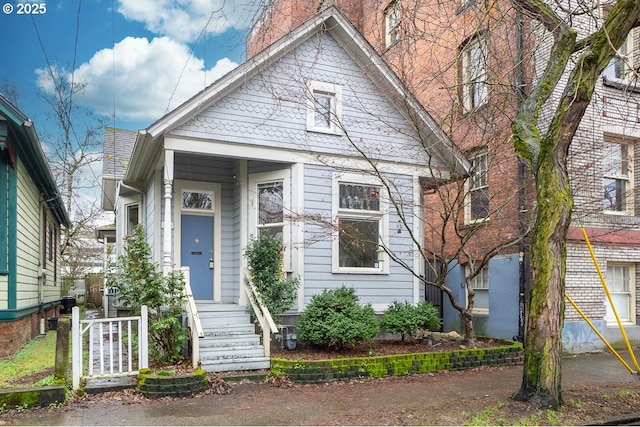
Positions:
{"x": 35, "y": 357}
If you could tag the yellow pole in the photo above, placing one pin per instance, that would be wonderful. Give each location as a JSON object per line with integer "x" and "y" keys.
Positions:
{"x": 613, "y": 307}
{"x": 604, "y": 340}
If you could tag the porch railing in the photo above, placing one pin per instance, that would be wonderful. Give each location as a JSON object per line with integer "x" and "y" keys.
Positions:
{"x": 195, "y": 325}
{"x": 267, "y": 324}
{"x": 111, "y": 345}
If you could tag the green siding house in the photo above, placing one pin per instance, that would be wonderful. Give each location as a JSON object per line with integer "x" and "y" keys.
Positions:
{"x": 31, "y": 217}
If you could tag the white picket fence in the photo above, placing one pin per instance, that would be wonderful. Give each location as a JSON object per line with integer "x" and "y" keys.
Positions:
{"x": 111, "y": 346}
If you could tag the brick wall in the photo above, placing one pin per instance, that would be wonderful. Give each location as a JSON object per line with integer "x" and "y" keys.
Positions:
{"x": 15, "y": 334}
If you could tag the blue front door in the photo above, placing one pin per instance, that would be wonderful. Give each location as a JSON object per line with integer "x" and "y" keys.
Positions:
{"x": 197, "y": 253}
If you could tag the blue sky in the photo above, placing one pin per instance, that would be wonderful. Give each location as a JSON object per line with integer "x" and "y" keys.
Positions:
{"x": 139, "y": 58}
{"x": 136, "y": 58}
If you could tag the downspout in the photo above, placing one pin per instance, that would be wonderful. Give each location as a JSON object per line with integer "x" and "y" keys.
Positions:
{"x": 522, "y": 247}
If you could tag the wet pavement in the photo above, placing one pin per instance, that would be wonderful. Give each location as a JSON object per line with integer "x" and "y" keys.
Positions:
{"x": 388, "y": 401}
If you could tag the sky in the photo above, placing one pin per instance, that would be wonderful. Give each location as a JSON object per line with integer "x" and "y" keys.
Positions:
{"x": 134, "y": 59}
{"x": 137, "y": 58}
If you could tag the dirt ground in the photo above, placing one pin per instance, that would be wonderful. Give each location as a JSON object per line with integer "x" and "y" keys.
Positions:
{"x": 479, "y": 396}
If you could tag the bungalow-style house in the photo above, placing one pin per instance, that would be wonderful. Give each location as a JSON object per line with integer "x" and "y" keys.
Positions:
{"x": 30, "y": 227}
{"x": 314, "y": 140}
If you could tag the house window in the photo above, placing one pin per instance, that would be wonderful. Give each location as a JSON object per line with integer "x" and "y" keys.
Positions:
{"x": 361, "y": 227}
{"x": 474, "y": 74}
{"x": 133, "y": 218}
{"x": 477, "y": 205}
{"x": 392, "y": 22}
{"x": 480, "y": 286}
{"x": 51, "y": 240}
{"x": 616, "y": 179}
{"x": 194, "y": 200}
{"x": 620, "y": 281}
{"x": 271, "y": 208}
{"x": 324, "y": 107}
{"x": 621, "y": 66}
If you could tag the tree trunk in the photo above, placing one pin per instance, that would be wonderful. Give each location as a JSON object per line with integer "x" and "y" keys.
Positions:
{"x": 545, "y": 314}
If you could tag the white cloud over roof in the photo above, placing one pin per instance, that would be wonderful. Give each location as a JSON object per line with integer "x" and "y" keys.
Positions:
{"x": 185, "y": 20}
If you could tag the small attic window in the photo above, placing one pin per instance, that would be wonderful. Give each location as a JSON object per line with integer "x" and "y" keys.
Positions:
{"x": 324, "y": 107}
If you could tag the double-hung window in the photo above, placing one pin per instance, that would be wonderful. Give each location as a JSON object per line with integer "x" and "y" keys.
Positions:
{"x": 361, "y": 226}
{"x": 474, "y": 73}
{"x": 480, "y": 285}
{"x": 620, "y": 281}
{"x": 324, "y": 107}
{"x": 271, "y": 208}
{"x": 392, "y": 23}
{"x": 616, "y": 178}
{"x": 270, "y": 201}
{"x": 477, "y": 200}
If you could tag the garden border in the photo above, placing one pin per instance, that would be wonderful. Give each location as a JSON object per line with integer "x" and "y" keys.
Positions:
{"x": 316, "y": 371}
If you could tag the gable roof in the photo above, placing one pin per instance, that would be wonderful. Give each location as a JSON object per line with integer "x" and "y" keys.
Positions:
{"x": 116, "y": 154}
{"x": 26, "y": 145}
{"x": 329, "y": 20}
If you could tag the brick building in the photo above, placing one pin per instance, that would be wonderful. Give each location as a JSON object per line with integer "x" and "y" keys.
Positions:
{"x": 467, "y": 61}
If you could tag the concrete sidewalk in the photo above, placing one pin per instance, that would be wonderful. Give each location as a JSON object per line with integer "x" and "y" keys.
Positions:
{"x": 428, "y": 399}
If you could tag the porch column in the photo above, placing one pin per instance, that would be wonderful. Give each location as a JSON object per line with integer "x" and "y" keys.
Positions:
{"x": 167, "y": 248}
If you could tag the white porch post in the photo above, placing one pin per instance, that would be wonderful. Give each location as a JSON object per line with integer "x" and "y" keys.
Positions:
{"x": 167, "y": 228}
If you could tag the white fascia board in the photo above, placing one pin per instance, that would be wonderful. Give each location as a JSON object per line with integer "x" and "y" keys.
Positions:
{"x": 252, "y": 152}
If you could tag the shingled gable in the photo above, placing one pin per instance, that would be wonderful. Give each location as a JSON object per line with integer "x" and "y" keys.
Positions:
{"x": 331, "y": 20}
{"x": 116, "y": 153}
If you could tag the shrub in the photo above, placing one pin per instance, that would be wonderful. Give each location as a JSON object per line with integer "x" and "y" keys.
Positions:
{"x": 405, "y": 318}
{"x": 335, "y": 318}
{"x": 139, "y": 282}
{"x": 265, "y": 259}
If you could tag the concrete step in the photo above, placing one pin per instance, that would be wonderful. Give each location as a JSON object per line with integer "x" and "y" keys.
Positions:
{"x": 237, "y": 352}
{"x": 228, "y": 330}
{"x": 246, "y": 364}
{"x": 229, "y": 341}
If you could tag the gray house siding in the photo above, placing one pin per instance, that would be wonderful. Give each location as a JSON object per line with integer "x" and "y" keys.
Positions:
{"x": 270, "y": 110}
{"x": 377, "y": 289}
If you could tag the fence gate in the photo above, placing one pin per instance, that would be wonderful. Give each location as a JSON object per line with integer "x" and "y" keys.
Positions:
{"x": 113, "y": 349}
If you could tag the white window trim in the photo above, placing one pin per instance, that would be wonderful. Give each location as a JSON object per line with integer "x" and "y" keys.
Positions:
{"x": 630, "y": 187}
{"x": 479, "y": 310}
{"x": 627, "y": 60}
{"x": 262, "y": 178}
{"x": 632, "y": 292}
{"x": 389, "y": 29}
{"x": 467, "y": 188}
{"x": 480, "y": 42}
{"x": 335, "y": 92}
{"x": 337, "y": 213}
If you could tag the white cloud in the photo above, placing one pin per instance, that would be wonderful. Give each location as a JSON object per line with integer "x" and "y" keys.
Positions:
{"x": 185, "y": 20}
{"x": 139, "y": 77}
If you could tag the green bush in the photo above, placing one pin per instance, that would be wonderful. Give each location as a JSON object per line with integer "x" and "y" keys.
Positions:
{"x": 139, "y": 282}
{"x": 265, "y": 260}
{"x": 335, "y": 318}
{"x": 406, "y": 319}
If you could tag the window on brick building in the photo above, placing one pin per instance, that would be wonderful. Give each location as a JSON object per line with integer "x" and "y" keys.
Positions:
{"x": 617, "y": 179}
{"x": 480, "y": 286}
{"x": 622, "y": 65}
{"x": 392, "y": 23}
{"x": 477, "y": 198}
{"x": 474, "y": 73}
{"x": 621, "y": 284}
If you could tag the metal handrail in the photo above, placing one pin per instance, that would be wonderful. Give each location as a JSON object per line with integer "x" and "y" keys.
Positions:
{"x": 193, "y": 318}
{"x": 262, "y": 313}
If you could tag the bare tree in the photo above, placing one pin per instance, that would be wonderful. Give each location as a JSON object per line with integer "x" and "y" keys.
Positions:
{"x": 72, "y": 151}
